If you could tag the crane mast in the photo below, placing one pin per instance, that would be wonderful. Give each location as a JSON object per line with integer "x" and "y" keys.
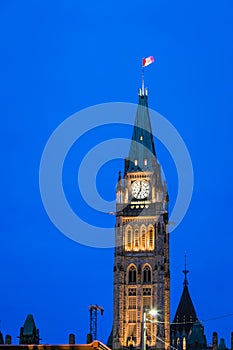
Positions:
{"x": 93, "y": 320}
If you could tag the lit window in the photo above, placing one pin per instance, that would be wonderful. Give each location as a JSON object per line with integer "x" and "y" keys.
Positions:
{"x": 136, "y": 239}
{"x": 148, "y": 331}
{"x": 132, "y": 302}
{"x": 143, "y": 245}
{"x": 132, "y": 330}
{"x": 145, "y": 162}
{"x": 141, "y": 138}
{"x": 132, "y": 316}
{"x": 128, "y": 238}
{"x": 184, "y": 343}
{"x": 135, "y": 162}
{"x": 151, "y": 238}
{"x": 147, "y": 302}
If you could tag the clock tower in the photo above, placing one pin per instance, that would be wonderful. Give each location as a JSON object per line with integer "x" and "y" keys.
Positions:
{"x": 141, "y": 258}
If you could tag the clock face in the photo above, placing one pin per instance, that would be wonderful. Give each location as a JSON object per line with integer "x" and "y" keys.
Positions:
{"x": 140, "y": 189}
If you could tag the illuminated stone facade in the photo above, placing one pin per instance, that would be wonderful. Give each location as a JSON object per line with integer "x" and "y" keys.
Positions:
{"x": 141, "y": 262}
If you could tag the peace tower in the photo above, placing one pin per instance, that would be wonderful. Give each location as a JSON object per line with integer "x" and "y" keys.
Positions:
{"x": 141, "y": 258}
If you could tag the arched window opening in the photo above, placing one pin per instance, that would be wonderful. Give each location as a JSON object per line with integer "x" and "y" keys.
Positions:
{"x": 143, "y": 235}
{"x": 132, "y": 275}
{"x": 136, "y": 239}
{"x": 132, "y": 292}
{"x": 178, "y": 342}
{"x": 184, "y": 343}
{"x": 129, "y": 238}
{"x": 146, "y": 291}
{"x": 151, "y": 238}
{"x": 146, "y": 274}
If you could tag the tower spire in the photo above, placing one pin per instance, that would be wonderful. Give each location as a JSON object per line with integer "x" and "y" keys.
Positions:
{"x": 185, "y": 271}
{"x": 142, "y": 156}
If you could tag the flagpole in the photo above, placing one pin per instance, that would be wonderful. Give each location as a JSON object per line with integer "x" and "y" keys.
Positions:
{"x": 145, "y": 63}
{"x": 143, "y": 83}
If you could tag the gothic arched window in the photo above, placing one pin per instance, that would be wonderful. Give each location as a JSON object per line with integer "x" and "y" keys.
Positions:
{"x": 151, "y": 238}
{"x": 143, "y": 238}
{"x": 136, "y": 238}
{"x": 146, "y": 274}
{"x": 184, "y": 343}
{"x": 132, "y": 275}
{"x": 128, "y": 238}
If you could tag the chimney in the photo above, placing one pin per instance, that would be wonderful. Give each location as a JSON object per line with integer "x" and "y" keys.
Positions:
{"x": 215, "y": 341}
{"x": 89, "y": 338}
{"x": 71, "y": 338}
{"x": 8, "y": 339}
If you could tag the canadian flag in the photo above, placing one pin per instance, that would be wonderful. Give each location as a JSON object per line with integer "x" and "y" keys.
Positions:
{"x": 147, "y": 61}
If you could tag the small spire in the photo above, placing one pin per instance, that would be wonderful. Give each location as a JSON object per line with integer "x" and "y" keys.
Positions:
{"x": 119, "y": 182}
{"x": 185, "y": 271}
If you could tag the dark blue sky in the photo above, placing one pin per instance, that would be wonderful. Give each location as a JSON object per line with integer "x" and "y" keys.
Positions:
{"x": 58, "y": 57}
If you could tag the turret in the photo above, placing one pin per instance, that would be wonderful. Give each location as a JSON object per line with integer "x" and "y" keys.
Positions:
{"x": 197, "y": 339}
{"x": 29, "y": 334}
{"x": 222, "y": 345}
{"x": 119, "y": 189}
{"x": 1, "y": 338}
{"x": 185, "y": 314}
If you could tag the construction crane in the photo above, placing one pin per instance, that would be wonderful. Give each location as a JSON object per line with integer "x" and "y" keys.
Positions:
{"x": 93, "y": 321}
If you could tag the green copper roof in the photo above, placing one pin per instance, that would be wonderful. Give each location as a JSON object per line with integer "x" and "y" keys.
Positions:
{"x": 222, "y": 345}
{"x": 197, "y": 337}
{"x": 142, "y": 147}
{"x": 29, "y": 325}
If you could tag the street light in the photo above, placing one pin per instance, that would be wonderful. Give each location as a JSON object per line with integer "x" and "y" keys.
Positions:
{"x": 153, "y": 313}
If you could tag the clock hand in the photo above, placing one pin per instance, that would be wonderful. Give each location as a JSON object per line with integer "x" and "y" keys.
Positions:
{"x": 140, "y": 187}
{"x": 139, "y": 190}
